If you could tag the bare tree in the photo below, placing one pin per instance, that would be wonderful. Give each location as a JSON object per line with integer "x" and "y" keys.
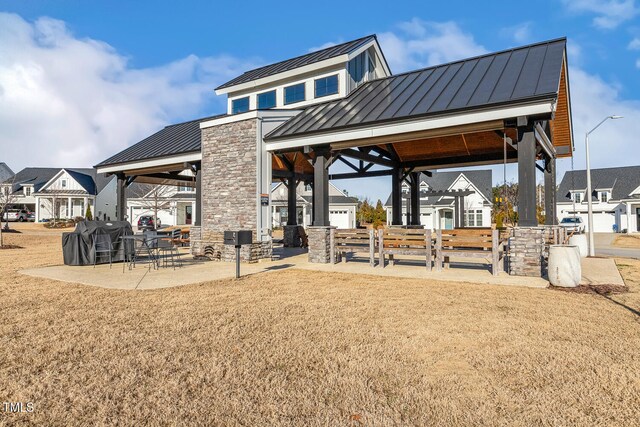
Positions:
{"x": 52, "y": 209}
{"x": 7, "y": 198}
{"x": 153, "y": 198}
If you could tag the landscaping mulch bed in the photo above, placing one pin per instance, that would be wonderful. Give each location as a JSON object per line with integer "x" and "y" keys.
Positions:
{"x": 11, "y": 247}
{"x": 594, "y": 289}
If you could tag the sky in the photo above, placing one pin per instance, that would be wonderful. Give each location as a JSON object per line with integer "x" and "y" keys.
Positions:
{"x": 80, "y": 81}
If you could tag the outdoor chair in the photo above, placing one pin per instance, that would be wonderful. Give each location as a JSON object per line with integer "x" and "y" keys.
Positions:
{"x": 102, "y": 245}
{"x": 168, "y": 246}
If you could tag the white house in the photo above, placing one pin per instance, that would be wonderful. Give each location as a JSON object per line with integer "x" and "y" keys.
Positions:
{"x": 438, "y": 212}
{"x": 615, "y": 198}
{"x": 59, "y": 192}
{"x": 342, "y": 208}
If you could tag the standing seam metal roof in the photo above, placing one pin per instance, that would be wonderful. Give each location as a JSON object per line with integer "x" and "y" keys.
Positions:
{"x": 172, "y": 140}
{"x": 300, "y": 61}
{"x": 513, "y": 76}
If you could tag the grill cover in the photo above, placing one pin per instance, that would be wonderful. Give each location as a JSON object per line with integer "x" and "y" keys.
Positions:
{"x": 77, "y": 246}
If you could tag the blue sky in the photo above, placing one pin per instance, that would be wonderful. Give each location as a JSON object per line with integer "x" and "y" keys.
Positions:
{"x": 81, "y": 80}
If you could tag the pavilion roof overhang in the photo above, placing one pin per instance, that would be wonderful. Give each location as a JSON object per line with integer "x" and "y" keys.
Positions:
{"x": 465, "y": 113}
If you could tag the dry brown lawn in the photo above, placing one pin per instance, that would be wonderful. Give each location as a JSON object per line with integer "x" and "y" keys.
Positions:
{"x": 306, "y": 348}
{"x": 627, "y": 241}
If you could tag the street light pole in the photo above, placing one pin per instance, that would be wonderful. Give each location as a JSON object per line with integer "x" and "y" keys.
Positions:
{"x": 592, "y": 251}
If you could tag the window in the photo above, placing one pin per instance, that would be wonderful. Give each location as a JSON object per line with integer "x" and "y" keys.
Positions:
{"x": 604, "y": 196}
{"x": 240, "y": 105}
{"x": 294, "y": 93}
{"x": 27, "y": 191}
{"x": 185, "y": 189}
{"x": 577, "y": 197}
{"x": 473, "y": 218}
{"x": 267, "y": 100}
{"x": 357, "y": 69}
{"x": 326, "y": 86}
{"x": 63, "y": 183}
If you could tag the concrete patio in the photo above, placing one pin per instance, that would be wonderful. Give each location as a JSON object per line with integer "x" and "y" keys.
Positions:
{"x": 595, "y": 271}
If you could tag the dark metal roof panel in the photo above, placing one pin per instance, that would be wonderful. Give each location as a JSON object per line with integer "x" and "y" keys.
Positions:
{"x": 300, "y": 61}
{"x": 517, "y": 75}
{"x": 172, "y": 140}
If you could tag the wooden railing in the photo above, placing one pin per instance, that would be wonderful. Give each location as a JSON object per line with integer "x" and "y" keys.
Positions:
{"x": 354, "y": 240}
{"x": 403, "y": 241}
{"x": 472, "y": 243}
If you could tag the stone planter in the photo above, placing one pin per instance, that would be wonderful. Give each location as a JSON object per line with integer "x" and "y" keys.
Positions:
{"x": 564, "y": 266}
{"x": 580, "y": 240}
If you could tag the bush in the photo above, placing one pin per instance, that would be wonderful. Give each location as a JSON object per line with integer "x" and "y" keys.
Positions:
{"x": 88, "y": 215}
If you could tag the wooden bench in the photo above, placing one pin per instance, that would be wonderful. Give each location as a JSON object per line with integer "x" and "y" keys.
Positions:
{"x": 354, "y": 240}
{"x": 403, "y": 241}
{"x": 471, "y": 243}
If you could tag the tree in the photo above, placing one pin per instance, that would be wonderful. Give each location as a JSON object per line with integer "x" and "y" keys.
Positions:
{"x": 88, "y": 215}
{"x": 153, "y": 198}
{"x": 53, "y": 209}
{"x": 379, "y": 215}
{"x": 6, "y": 199}
{"x": 364, "y": 211}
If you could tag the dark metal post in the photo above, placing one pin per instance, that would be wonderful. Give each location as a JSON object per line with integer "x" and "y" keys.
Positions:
{"x": 527, "y": 179}
{"x": 415, "y": 198}
{"x": 198, "y": 212}
{"x": 396, "y": 197}
{"x": 321, "y": 187}
{"x": 291, "y": 202}
{"x": 121, "y": 199}
{"x": 550, "y": 192}
{"x": 237, "y": 261}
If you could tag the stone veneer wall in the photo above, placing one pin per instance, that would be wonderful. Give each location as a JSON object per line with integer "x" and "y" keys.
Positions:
{"x": 320, "y": 244}
{"x": 229, "y": 191}
{"x": 529, "y": 249}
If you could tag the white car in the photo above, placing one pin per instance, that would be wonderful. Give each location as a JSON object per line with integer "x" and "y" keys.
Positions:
{"x": 573, "y": 224}
{"x": 16, "y": 215}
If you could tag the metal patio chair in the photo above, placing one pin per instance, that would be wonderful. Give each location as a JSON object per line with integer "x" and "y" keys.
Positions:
{"x": 168, "y": 246}
{"x": 102, "y": 245}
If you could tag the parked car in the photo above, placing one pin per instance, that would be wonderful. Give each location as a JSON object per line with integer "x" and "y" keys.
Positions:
{"x": 573, "y": 224}
{"x": 145, "y": 222}
{"x": 16, "y": 215}
{"x": 31, "y": 216}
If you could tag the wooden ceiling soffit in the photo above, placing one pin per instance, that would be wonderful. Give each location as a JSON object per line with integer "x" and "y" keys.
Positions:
{"x": 419, "y": 135}
{"x": 560, "y": 126}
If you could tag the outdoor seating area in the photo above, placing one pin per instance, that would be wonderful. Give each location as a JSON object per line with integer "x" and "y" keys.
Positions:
{"x": 436, "y": 249}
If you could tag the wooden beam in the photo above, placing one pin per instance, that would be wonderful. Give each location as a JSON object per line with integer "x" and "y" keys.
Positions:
{"x": 352, "y": 175}
{"x": 464, "y": 140}
{"x": 367, "y": 157}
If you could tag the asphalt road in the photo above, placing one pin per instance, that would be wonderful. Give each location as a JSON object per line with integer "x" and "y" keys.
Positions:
{"x": 603, "y": 245}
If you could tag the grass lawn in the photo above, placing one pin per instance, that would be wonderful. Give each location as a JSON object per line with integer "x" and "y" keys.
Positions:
{"x": 306, "y": 348}
{"x": 627, "y": 241}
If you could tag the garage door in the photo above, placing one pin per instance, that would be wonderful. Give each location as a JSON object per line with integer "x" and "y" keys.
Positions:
{"x": 339, "y": 218}
{"x": 603, "y": 222}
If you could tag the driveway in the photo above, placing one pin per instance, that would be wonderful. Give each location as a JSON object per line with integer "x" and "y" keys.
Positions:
{"x": 604, "y": 247}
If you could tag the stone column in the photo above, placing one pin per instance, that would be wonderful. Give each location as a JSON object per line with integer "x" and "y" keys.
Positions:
{"x": 320, "y": 243}
{"x": 526, "y": 249}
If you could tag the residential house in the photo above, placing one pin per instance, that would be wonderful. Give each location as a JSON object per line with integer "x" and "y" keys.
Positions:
{"x": 438, "y": 212}
{"x": 174, "y": 205}
{"x": 57, "y": 192}
{"x": 615, "y": 198}
{"x": 342, "y": 208}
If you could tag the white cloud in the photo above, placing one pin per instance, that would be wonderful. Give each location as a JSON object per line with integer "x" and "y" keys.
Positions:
{"x": 634, "y": 44}
{"x": 420, "y": 43}
{"x": 520, "y": 33}
{"x": 74, "y": 102}
{"x": 638, "y": 63}
{"x": 610, "y": 13}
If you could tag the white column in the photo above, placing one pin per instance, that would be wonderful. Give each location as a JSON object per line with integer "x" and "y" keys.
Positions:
{"x": 628, "y": 217}
{"x": 193, "y": 213}
{"x": 37, "y": 213}
{"x": 69, "y": 208}
{"x": 84, "y": 207}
